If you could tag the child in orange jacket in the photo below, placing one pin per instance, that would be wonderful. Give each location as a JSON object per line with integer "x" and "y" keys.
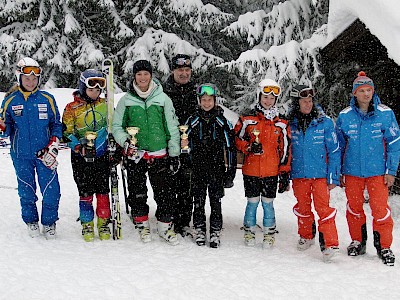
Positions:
{"x": 264, "y": 138}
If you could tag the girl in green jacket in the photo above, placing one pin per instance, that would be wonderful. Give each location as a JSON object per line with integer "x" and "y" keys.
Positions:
{"x": 154, "y": 149}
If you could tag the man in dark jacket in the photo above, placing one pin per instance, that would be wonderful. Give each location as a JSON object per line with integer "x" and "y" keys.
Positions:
{"x": 182, "y": 91}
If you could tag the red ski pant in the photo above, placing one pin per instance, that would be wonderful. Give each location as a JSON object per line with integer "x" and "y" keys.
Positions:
{"x": 315, "y": 189}
{"x": 378, "y": 201}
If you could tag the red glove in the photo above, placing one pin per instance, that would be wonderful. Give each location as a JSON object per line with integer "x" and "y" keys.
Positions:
{"x": 48, "y": 155}
{"x": 2, "y": 126}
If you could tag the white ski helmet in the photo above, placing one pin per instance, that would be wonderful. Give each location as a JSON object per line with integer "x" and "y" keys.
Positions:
{"x": 268, "y": 86}
{"x": 28, "y": 66}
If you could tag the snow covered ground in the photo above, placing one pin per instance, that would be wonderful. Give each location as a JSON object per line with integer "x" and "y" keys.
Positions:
{"x": 69, "y": 268}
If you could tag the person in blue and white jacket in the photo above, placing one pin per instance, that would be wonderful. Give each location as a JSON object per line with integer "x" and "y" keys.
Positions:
{"x": 31, "y": 119}
{"x": 370, "y": 143}
{"x": 315, "y": 170}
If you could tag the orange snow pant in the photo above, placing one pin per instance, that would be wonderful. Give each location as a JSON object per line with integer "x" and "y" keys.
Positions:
{"x": 315, "y": 189}
{"x": 378, "y": 200}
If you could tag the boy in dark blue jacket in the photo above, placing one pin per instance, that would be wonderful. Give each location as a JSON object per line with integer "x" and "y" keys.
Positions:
{"x": 211, "y": 137}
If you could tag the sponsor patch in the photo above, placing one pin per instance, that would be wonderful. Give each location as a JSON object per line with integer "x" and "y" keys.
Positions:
{"x": 17, "y": 107}
{"x": 43, "y": 116}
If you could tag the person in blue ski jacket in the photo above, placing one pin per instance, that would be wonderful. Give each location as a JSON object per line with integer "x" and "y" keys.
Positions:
{"x": 31, "y": 119}
{"x": 315, "y": 170}
{"x": 370, "y": 143}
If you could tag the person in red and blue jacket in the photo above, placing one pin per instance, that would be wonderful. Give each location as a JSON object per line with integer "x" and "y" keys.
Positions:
{"x": 370, "y": 143}
{"x": 315, "y": 170}
{"x": 31, "y": 119}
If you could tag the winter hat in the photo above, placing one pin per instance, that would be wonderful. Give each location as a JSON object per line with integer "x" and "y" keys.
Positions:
{"x": 142, "y": 65}
{"x": 181, "y": 61}
{"x": 362, "y": 81}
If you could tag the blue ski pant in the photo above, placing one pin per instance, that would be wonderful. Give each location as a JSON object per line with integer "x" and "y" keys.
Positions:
{"x": 25, "y": 170}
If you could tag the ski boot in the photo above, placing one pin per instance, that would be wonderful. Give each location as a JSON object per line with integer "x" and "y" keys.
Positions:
{"x": 304, "y": 244}
{"x": 200, "y": 237}
{"x": 103, "y": 229}
{"x": 328, "y": 253}
{"x": 167, "y": 234}
{"x": 387, "y": 256}
{"x": 88, "y": 231}
{"x": 356, "y": 248}
{"x": 269, "y": 237}
{"x": 214, "y": 239}
{"x": 144, "y": 231}
{"x": 33, "y": 229}
{"x": 249, "y": 236}
{"x": 50, "y": 231}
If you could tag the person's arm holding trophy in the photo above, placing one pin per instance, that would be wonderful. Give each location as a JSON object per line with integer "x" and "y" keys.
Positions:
{"x": 130, "y": 148}
{"x": 184, "y": 139}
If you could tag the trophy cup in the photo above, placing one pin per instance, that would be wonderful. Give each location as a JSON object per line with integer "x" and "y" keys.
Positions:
{"x": 90, "y": 136}
{"x": 184, "y": 136}
{"x": 132, "y": 131}
{"x": 256, "y": 133}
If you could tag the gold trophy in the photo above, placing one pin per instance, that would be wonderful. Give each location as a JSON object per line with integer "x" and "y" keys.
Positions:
{"x": 184, "y": 136}
{"x": 90, "y": 136}
{"x": 132, "y": 131}
{"x": 256, "y": 133}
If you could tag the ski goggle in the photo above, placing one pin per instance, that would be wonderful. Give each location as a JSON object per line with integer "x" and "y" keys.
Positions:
{"x": 206, "y": 89}
{"x": 304, "y": 93}
{"x": 275, "y": 90}
{"x": 93, "y": 82}
{"x": 181, "y": 61}
{"x": 31, "y": 70}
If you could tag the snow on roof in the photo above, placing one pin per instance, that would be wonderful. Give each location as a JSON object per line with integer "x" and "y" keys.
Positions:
{"x": 382, "y": 18}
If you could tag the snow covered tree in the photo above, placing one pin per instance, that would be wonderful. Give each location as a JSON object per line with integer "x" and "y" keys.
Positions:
{"x": 284, "y": 47}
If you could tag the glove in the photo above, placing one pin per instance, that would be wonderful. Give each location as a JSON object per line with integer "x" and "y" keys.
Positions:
{"x": 228, "y": 178}
{"x": 130, "y": 151}
{"x": 2, "y": 126}
{"x": 174, "y": 164}
{"x": 48, "y": 155}
{"x": 283, "y": 182}
{"x": 87, "y": 152}
{"x": 256, "y": 148}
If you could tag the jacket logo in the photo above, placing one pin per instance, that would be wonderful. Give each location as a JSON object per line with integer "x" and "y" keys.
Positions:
{"x": 17, "y": 107}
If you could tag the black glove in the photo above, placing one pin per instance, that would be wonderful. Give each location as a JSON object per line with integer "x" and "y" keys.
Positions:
{"x": 283, "y": 182}
{"x": 256, "y": 148}
{"x": 174, "y": 164}
{"x": 228, "y": 178}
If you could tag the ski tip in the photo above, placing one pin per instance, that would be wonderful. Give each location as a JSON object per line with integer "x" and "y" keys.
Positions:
{"x": 107, "y": 62}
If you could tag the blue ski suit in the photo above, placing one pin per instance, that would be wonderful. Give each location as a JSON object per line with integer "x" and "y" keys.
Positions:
{"x": 31, "y": 119}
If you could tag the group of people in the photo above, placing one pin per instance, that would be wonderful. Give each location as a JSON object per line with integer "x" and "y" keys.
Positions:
{"x": 361, "y": 151}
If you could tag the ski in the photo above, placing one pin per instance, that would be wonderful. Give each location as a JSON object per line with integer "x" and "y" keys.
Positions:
{"x": 108, "y": 71}
{"x": 124, "y": 176}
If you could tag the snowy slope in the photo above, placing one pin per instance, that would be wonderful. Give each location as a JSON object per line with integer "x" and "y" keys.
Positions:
{"x": 69, "y": 268}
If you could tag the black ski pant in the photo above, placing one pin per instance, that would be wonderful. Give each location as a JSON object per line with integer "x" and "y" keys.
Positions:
{"x": 182, "y": 186}
{"x": 215, "y": 187}
{"x": 91, "y": 177}
{"x": 160, "y": 180}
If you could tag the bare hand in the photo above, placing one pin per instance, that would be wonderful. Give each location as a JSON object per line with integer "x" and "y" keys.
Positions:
{"x": 331, "y": 186}
{"x": 389, "y": 180}
{"x": 184, "y": 143}
{"x": 342, "y": 181}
